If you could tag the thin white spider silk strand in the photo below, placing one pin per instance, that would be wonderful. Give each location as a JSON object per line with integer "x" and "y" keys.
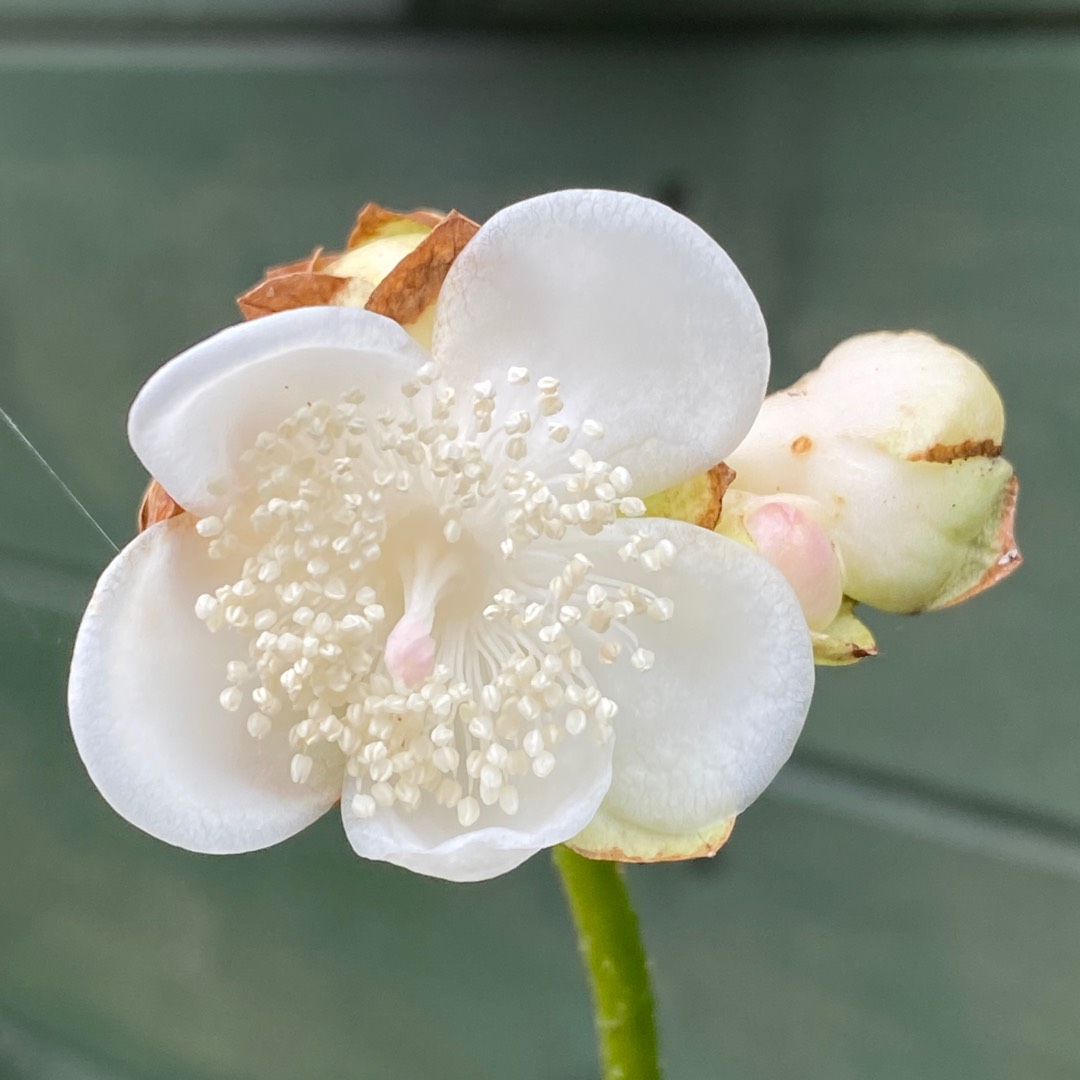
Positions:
{"x": 17, "y": 431}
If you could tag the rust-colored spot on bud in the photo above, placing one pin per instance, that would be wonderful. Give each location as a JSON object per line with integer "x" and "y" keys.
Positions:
{"x": 943, "y": 455}
{"x": 802, "y": 445}
{"x": 157, "y": 505}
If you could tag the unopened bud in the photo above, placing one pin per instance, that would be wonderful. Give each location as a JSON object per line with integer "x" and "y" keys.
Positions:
{"x": 799, "y": 548}
{"x": 896, "y": 437}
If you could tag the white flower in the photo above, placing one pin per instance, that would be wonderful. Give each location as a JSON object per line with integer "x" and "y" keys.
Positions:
{"x": 409, "y": 582}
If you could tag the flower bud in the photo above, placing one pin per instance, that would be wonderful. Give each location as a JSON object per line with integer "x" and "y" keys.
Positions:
{"x": 896, "y": 438}
{"x": 788, "y": 535}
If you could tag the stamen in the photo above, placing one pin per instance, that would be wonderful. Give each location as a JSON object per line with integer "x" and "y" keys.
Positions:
{"x": 382, "y": 624}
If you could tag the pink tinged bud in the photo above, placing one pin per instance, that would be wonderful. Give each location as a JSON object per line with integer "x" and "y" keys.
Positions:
{"x": 410, "y": 651}
{"x": 799, "y": 548}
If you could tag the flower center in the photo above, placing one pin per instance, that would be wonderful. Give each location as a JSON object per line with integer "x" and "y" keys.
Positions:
{"x": 412, "y": 595}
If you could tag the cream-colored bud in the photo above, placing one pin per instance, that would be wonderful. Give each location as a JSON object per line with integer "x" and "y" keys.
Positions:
{"x": 897, "y": 438}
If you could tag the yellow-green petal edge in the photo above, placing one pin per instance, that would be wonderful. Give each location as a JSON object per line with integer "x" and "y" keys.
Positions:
{"x": 697, "y": 500}
{"x": 608, "y": 837}
{"x": 846, "y": 640}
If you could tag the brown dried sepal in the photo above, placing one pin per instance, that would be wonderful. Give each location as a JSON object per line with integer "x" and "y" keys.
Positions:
{"x": 402, "y": 295}
{"x": 157, "y": 505}
{"x": 415, "y": 282}
{"x": 373, "y": 219}
{"x": 721, "y": 477}
{"x": 297, "y": 284}
{"x": 1010, "y": 559}
{"x": 945, "y": 455}
{"x": 698, "y": 500}
{"x": 315, "y": 262}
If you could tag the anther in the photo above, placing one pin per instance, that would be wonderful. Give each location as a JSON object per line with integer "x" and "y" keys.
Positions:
{"x": 300, "y": 768}
{"x": 209, "y": 526}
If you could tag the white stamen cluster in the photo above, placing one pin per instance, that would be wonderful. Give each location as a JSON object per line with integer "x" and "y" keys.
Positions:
{"x": 345, "y": 513}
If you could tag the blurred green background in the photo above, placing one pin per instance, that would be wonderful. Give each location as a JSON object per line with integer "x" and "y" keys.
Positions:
{"x": 905, "y": 901}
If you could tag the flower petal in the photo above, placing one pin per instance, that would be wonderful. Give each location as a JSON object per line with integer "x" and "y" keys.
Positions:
{"x": 143, "y": 700}
{"x": 429, "y": 840}
{"x": 200, "y": 411}
{"x": 702, "y": 734}
{"x": 642, "y": 316}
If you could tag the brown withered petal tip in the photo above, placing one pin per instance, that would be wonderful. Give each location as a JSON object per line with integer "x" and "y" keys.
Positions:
{"x": 721, "y": 476}
{"x": 157, "y": 505}
{"x": 315, "y": 262}
{"x": 720, "y": 479}
{"x": 1010, "y": 558}
{"x": 415, "y": 282}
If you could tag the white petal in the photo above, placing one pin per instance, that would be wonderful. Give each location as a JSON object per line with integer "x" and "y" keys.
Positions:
{"x": 642, "y": 316}
{"x": 200, "y": 411}
{"x": 700, "y": 735}
{"x": 429, "y": 840}
{"x": 143, "y": 700}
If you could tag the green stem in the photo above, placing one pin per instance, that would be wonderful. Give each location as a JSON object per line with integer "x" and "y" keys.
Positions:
{"x": 611, "y": 949}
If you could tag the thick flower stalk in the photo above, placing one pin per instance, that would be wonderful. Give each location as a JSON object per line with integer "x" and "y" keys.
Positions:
{"x": 417, "y": 580}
